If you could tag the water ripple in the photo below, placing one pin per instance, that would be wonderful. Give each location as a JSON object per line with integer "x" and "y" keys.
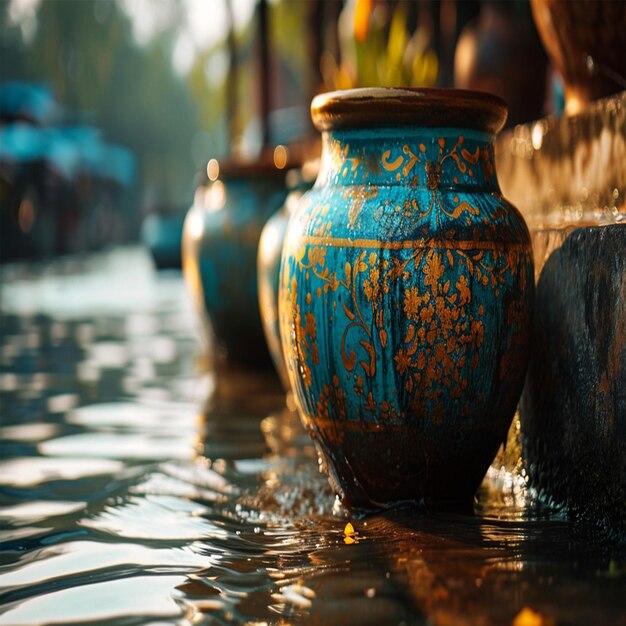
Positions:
{"x": 136, "y": 490}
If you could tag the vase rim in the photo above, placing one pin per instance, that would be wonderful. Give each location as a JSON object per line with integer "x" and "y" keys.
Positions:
{"x": 264, "y": 166}
{"x": 408, "y": 106}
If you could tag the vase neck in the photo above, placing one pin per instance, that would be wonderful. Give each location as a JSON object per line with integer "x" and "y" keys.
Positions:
{"x": 433, "y": 158}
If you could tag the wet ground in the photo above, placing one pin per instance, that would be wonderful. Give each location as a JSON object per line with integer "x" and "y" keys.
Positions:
{"x": 136, "y": 488}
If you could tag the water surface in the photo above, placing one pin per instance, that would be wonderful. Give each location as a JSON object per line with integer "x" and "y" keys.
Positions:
{"x": 136, "y": 488}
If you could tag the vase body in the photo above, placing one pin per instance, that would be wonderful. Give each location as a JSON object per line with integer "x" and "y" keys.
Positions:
{"x": 573, "y": 407}
{"x": 405, "y": 308}
{"x": 220, "y": 244}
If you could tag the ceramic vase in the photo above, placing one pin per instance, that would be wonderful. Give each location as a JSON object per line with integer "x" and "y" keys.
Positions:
{"x": 406, "y": 296}
{"x": 268, "y": 267}
{"x": 502, "y": 43}
{"x": 220, "y": 245}
{"x": 585, "y": 41}
{"x": 161, "y": 234}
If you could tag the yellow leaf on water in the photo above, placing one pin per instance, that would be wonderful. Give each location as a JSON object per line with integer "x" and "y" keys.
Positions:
{"x": 349, "y": 530}
{"x": 528, "y": 617}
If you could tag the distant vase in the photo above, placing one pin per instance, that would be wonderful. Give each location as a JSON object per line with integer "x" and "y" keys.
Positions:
{"x": 268, "y": 266}
{"x": 500, "y": 52}
{"x": 406, "y": 296}
{"x": 162, "y": 235}
{"x": 220, "y": 244}
{"x": 585, "y": 41}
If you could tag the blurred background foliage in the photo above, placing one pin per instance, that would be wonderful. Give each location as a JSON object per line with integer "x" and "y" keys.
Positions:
{"x": 382, "y": 44}
{"x": 102, "y": 76}
{"x": 178, "y": 82}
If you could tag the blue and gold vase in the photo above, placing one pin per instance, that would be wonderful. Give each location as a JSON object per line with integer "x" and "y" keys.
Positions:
{"x": 220, "y": 243}
{"x": 406, "y": 296}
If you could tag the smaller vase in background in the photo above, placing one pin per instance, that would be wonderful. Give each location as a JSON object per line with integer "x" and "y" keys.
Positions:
{"x": 270, "y": 250}
{"x": 220, "y": 246}
{"x": 500, "y": 53}
{"x": 161, "y": 233}
{"x": 586, "y": 42}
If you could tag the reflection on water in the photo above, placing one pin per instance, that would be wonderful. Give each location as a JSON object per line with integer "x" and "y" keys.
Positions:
{"x": 136, "y": 490}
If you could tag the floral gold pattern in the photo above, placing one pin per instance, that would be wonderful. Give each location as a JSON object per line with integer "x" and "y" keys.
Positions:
{"x": 406, "y": 296}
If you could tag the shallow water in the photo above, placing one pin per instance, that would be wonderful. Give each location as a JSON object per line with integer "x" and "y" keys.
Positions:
{"x": 137, "y": 489}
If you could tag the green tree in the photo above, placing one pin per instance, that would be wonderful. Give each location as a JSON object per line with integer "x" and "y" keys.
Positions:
{"x": 86, "y": 51}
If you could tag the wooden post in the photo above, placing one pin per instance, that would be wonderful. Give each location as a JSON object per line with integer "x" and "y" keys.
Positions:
{"x": 265, "y": 73}
{"x": 232, "y": 83}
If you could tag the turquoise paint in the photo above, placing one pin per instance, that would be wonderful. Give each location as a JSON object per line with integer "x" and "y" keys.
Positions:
{"x": 221, "y": 240}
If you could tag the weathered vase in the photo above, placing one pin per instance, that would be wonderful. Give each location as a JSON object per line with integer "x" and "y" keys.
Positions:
{"x": 573, "y": 407}
{"x": 220, "y": 244}
{"x": 406, "y": 296}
